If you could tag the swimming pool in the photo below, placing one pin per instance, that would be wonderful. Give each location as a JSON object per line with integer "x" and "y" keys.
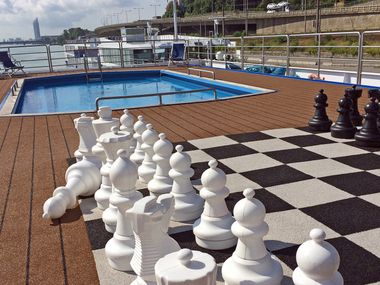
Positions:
{"x": 72, "y": 93}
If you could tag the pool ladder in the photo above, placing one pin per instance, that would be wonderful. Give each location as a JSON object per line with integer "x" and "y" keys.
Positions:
{"x": 92, "y": 76}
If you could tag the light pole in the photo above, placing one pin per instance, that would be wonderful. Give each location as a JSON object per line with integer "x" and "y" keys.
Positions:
{"x": 126, "y": 14}
{"x": 155, "y": 8}
{"x": 175, "y": 20}
{"x": 138, "y": 9}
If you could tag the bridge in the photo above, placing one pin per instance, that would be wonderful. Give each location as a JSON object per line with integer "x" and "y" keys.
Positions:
{"x": 355, "y": 18}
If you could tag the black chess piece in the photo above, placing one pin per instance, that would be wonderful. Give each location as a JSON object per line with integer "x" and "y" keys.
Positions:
{"x": 375, "y": 93}
{"x": 320, "y": 121}
{"x": 354, "y": 94}
{"x": 369, "y": 135}
{"x": 343, "y": 127}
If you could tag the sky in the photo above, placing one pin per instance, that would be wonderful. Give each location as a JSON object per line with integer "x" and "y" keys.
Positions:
{"x": 16, "y": 16}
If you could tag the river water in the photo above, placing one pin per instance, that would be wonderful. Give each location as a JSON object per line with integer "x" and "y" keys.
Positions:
{"x": 34, "y": 58}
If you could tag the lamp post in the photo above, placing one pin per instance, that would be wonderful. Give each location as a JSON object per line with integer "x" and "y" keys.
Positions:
{"x": 138, "y": 9}
{"x": 155, "y": 8}
{"x": 126, "y": 14}
{"x": 175, "y": 20}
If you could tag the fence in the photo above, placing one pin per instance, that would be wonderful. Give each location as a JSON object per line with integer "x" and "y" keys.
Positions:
{"x": 354, "y": 52}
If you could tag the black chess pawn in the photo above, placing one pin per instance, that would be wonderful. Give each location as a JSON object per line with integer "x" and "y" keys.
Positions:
{"x": 354, "y": 94}
{"x": 369, "y": 135}
{"x": 320, "y": 121}
{"x": 375, "y": 93}
{"x": 343, "y": 127}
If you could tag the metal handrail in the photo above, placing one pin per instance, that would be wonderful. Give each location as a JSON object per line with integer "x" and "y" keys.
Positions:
{"x": 154, "y": 94}
{"x": 200, "y": 72}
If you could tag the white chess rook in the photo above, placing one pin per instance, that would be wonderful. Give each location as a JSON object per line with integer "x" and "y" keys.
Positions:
{"x": 139, "y": 127}
{"x": 149, "y": 217}
{"x": 148, "y": 167}
{"x": 186, "y": 267}
{"x": 213, "y": 229}
{"x": 251, "y": 263}
{"x": 111, "y": 143}
{"x": 188, "y": 204}
{"x": 82, "y": 178}
{"x": 318, "y": 262}
{"x": 123, "y": 174}
{"x": 126, "y": 125}
{"x": 87, "y": 139}
{"x": 101, "y": 126}
{"x": 161, "y": 183}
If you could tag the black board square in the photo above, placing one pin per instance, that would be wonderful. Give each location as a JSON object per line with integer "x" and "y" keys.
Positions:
{"x": 346, "y": 216}
{"x": 275, "y": 175}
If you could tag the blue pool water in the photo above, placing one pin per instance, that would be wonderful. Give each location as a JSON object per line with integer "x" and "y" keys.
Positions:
{"x": 72, "y": 93}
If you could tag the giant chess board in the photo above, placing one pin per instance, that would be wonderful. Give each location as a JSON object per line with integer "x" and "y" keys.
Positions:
{"x": 304, "y": 179}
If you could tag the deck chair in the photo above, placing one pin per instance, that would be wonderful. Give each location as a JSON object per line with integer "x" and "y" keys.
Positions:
{"x": 10, "y": 65}
{"x": 178, "y": 54}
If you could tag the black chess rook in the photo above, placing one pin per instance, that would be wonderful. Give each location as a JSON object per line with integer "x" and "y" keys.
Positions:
{"x": 320, "y": 121}
{"x": 343, "y": 127}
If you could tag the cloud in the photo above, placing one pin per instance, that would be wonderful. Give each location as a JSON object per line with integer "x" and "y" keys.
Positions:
{"x": 56, "y": 15}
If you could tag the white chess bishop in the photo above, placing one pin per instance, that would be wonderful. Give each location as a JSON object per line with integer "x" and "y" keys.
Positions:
{"x": 123, "y": 174}
{"x": 251, "y": 263}
{"x": 161, "y": 183}
{"x": 188, "y": 204}
{"x": 318, "y": 262}
{"x": 213, "y": 229}
{"x": 186, "y": 267}
{"x": 139, "y": 127}
{"x": 148, "y": 167}
{"x": 150, "y": 221}
{"x": 126, "y": 125}
{"x": 111, "y": 143}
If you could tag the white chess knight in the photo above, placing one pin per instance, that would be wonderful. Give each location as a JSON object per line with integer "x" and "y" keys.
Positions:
{"x": 188, "y": 204}
{"x": 148, "y": 167}
{"x": 123, "y": 174}
{"x": 82, "y": 178}
{"x": 318, "y": 262}
{"x": 101, "y": 126}
{"x": 87, "y": 138}
{"x": 139, "y": 127}
{"x": 251, "y": 263}
{"x": 126, "y": 125}
{"x": 213, "y": 229}
{"x": 161, "y": 183}
{"x": 150, "y": 221}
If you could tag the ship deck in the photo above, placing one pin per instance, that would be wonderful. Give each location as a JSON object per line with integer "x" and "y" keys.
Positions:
{"x": 35, "y": 152}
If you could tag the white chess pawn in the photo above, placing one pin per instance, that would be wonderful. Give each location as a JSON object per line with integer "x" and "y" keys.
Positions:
{"x": 87, "y": 139}
{"x": 213, "y": 229}
{"x": 186, "y": 267}
{"x": 126, "y": 125}
{"x": 161, "y": 182}
{"x": 188, "y": 204}
{"x": 123, "y": 174}
{"x": 148, "y": 167}
{"x": 82, "y": 178}
{"x": 111, "y": 143}
{"x": 251, "y": 263}
{"x": 318, "y": 262}
{"x": 149, "y": 217}
{"x": 101, "y": 126}
{"x": 139, "y": 127}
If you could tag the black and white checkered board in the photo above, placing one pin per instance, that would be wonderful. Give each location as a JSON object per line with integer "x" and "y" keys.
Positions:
{"x": 304, "y": 179}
